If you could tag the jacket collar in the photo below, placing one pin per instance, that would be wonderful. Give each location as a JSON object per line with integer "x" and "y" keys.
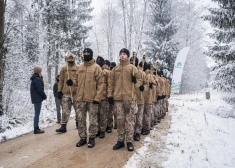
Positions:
{"x": 91, "y": 62}
{"x": 125, "y": 61}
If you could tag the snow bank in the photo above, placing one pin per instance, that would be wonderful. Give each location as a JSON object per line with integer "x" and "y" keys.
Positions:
{"x": 200, "y": 136}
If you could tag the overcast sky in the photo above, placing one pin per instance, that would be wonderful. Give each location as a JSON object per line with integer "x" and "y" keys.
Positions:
{"x": 97, "y": 5}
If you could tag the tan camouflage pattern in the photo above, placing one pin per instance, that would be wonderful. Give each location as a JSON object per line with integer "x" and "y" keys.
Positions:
{"x": 125, "y": 119}
{"x": 147, "y": 116}
{"x": 139, "y": 119}
{"x": 102, "y": 115}
{"x": 111, "y": 117}
{"x": 66, "y": 108}
{"x": 92, "y": 109}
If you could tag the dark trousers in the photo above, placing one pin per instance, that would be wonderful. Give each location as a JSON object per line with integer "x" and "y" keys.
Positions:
{"x": 37, "y": 109}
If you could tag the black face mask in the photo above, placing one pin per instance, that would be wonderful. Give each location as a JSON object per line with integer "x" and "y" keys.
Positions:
{"x": 70, "y": 62}
{"x": 87, "y": 58}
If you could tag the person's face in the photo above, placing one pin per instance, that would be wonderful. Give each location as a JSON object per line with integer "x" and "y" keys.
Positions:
{"x": 105, "y": 66}
{"x": 140, "y": 68}
{"x": 70, "y": 59}
{"x": 123, "y": 56}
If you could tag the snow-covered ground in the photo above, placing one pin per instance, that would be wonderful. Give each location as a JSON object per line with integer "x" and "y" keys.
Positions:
{"x": 21, "y": 121}
{"x": 201, "y": 135}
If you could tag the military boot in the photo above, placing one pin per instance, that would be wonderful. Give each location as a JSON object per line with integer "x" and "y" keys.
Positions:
{"x": 146, "y": 132}
{"x": 137, "y": 137}
{"x": 98, "y": 134}
{"x": 102, "y": 134}
{"x": 130, "y": 146}
{"x": 91, "y": 143}
{"x": 38, "y": 131}
{"x": 109, "y": 129}
{"x": 81, "y": 143}
{"x": 62, "y": 129}
{"x": 120, "y": 144}
{"x": 115, "y": 126}
{"x": 76, "y": 124}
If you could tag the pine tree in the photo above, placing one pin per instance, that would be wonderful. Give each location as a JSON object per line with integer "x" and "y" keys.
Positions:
{"x": 162, "y": 29}
{"x": 222, "y": 20}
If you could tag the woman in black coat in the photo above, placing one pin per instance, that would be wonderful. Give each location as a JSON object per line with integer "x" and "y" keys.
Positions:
{"x": 37, "y": 96}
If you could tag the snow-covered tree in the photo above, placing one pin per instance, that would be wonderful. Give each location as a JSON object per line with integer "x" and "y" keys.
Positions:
{"x": 222, "y": 20}
{"x": 160, "y": 44}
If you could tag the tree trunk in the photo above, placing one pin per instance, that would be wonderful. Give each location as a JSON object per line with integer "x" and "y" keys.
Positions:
{"x": 2, "y": 50}
{"x": 124, "y": 18}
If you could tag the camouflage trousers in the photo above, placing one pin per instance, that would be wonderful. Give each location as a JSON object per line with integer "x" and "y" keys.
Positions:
{"x": 102, "y": 115}
{"x": 125, "y": 110}
{"x": 153, "y": 113}
{"x": 165, "y": 104}
{"x": 111, "y": 117}
{"x": 147, "y": 116}
{"x": 139, "y": 119}
{"x": 66, "y": 108}
{"x": 92, "y": 109}
{"x": 157, "y": 110}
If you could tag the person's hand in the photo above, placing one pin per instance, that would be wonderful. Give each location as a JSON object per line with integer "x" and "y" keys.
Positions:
{"x": 95, "y": 102}
{"x": 69, "y": 82}
{"x": 133, "y": 79}
{"x": 111, "y": 101}
{"x": 141, "y": 88}
{"x": 60, "y": 95}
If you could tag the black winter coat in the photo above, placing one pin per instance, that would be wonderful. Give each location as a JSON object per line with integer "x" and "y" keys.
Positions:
{"x": 37, "y": 89}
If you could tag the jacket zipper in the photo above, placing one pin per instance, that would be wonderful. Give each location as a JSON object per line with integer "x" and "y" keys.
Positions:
{"x": 84, "y": 85}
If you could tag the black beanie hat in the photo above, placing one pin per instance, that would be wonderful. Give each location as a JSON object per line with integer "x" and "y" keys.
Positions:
{"x": 148, "y": 66}
{"x": 136, "y": 61}
{"x": 89, "y": 51}
{"x": 107, "y": 62}
{"x": 112, "y": 65}
{"x": 124, "y": 50}
{"x": 100, "y": 61}
{"x": 145, "y": 65}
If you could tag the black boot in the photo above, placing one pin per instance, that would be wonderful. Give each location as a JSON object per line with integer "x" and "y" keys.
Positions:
{"x": 98, "y": 134}
{"x": 76, "y": 124}
{"x": 109, "y": 129}
{"x": 120, "y": 144}
{"x": 115, "y": 126}
{"x": 130, "y": 146}
{"x": 81, "y": 143}
{"x": 62, "y": 129}
{"x": 38, "y": 131}
{"x": 91, "y": 143}
{"x": 137, "y": 137}
{"x": 146, "y": 132}
{"x": 102, "y": 134}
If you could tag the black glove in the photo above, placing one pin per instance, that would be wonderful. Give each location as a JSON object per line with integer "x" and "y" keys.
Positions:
{"x": 110, "y": 100}
{"x": 133, "y": 79}
{"x": 169, "y": 96}
{"x": 95, "y": 102}
{"x": 163, "y": 97}
{"x": 45, "y": 97}
{"x": 60, "y": 95}
{"x": 151, "y": 85}
{"x": 159, "y": 97}
{"x": 141, "y": 88}
{"x": 69, "y": 82}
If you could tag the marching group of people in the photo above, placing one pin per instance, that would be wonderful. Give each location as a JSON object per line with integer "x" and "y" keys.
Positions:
{"x": 131, "y": 96}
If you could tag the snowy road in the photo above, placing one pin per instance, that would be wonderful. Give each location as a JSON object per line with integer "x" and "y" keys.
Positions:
{"x": 59, "y": 150}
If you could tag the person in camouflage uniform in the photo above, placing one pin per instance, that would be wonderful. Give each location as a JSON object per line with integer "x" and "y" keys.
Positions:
{"x": 123, "y": 78}
{"x": 88, "y": 97}
{"x": 104, "y": 105}
{"x": 148, "y": 100}
{"x": 67, "y": 88}
{"x": 112, "y": 117}
{"x": 140, "y": 100}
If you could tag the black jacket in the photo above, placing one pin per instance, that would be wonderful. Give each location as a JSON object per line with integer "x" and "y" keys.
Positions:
{"x": 37, "y": 89}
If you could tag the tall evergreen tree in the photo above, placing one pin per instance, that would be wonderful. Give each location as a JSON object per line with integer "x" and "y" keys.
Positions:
{"x": 223, "y": 50}
{"x": 162, "y": 29}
